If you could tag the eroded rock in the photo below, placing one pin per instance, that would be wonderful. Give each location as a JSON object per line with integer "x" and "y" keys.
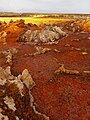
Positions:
{"x": 9, "y": 55}
{"x": 9, "y": 101}
{"x": 16, "y": 100}
{"x": 62, "y": 69}
{"x": 49, "y": 34}
{"x": 27, "y": 79}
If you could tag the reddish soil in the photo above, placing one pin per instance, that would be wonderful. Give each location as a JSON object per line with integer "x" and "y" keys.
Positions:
{"x": 59, "y": 96}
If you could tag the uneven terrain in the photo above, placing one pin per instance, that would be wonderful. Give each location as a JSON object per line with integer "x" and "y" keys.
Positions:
{"x": 45, "y": 70}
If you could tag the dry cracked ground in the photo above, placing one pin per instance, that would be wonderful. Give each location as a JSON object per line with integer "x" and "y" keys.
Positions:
{"x": 45, "y": 71}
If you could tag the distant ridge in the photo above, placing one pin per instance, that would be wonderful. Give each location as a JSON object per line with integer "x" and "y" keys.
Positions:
{"x": 9, "y": 14}
{"x": 46, "y": 15}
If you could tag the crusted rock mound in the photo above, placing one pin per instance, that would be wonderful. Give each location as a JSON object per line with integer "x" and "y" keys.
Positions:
{"x": 16, "y": 100}
{"x": 49, "y": 34}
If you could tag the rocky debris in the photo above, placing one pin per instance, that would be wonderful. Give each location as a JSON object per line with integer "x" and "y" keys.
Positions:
{"x": 9, "y": 55}
{"x": 9, "y": 58}
{"x": 86, "y": 25}
{"x": 25, "y": 77}
{"x": 2, "y": 25}
{"x": 3, "y": 36}
{"x": 26, "y": 36}
{"x": 78, "y": 49}
{"x": 83, "y": 50}
{"x": 16, "y": 100}
{"x": 89, "y": 38}
{"x": 34, "y": 108}
{"x": 41, "y": 50}
{"x": 20, "y": 23}
{"x": 16, "y": 88}
{"x": 57, "y": 30}
{"x": 5, "y": 74}
{"x": 3, "y": 117}
{"x": 84, "y": 53}
{"x": 57, "y": 51}
{"x": 13, "y": 30}
{"x": 49, "y": 34}
{"x": 76, "y": 40}
{"x": 11, "y": 21}
{"x": 67, "y": 45}
{"x": 86, "y": 73}
{"x": 62, "y": 69}
{"x": 71, "y": 26}
{"x": 9, "y": 101}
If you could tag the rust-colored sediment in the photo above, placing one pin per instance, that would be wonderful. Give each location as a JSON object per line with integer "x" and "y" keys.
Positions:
{"x": 58, "y": 94}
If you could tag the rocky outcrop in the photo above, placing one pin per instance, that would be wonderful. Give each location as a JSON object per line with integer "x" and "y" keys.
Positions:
{"x": 16, "y": 100}
{"x": 62, "y": 70}
{"x": 49, "y": 34}
{"x": 9, "y": 55}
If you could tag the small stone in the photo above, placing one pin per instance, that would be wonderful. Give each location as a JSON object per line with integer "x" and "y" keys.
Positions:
{"x": 84, "y": 53}
{"x": 16, "y": 118}
{"x": 86, "y": 73}
{"x": 50, "y": 80}
{"x": 78, "y": 49}
{"x": 89, "y": 38}
{"x": 8, "y": 70}
{"x": 67, "y": 45}
{"x": 76, "y": 39}
{"x": 56, "y": 50}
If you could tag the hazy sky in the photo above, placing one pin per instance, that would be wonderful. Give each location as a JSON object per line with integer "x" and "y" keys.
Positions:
{"x": 53, "y": 6}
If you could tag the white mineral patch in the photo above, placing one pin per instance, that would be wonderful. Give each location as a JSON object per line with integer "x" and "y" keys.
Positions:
{"x": 2, "y": 82}
{"x": 3, "y": 117}
{"x": 10, "y": 103}
{"x": 9, "y": 59}
{"x": 89, "y": 38}
{"x": 27, "y": 79}
{"x": 8, "y": 70}
{"x": 84, "y": 53}
{"x": 17, "y": 118}
{"x": 1, "y": 110}
{"x": 34, "y": 108}
{"x": 19, "y": 84}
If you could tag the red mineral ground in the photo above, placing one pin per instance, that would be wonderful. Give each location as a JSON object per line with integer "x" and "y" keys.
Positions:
{"x": 45, "y": 71}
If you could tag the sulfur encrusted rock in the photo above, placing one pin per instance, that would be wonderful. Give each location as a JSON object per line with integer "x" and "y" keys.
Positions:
{"x": 46, "y": 35}
{"x": 16, "y": 100}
